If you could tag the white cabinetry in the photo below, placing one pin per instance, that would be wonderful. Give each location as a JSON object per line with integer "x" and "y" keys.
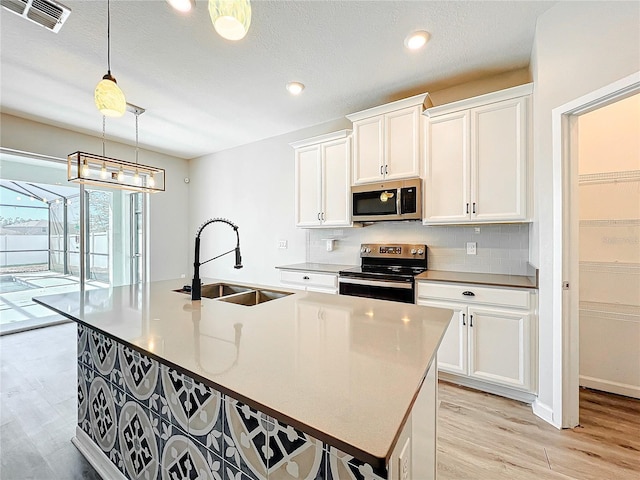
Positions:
{"x": 387, "y": 141}
{"x": 476, "y": 159}
{"x": 311, "y": 281}
{"x": 491, "y": 339}
{"x": 323, "y": 180}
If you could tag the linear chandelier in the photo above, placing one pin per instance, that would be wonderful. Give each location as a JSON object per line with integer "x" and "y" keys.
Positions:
{"x": 89, "y": 168}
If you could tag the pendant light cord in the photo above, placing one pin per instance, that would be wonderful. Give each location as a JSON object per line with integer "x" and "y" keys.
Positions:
{"x": 104, "y": 122}
{"x": 108, "y": 37}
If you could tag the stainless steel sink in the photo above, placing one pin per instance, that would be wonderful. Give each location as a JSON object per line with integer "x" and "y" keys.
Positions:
{"x": 254, "y": 297}
{"x": 217, "y": 290}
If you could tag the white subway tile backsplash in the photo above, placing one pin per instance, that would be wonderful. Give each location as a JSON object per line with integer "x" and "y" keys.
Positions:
{"x": 500, "y": 248}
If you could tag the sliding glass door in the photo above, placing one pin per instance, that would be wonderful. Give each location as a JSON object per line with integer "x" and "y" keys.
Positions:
{"x": 40, "y": 240}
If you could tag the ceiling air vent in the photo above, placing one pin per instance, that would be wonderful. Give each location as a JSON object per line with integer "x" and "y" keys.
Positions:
{"x": 47, "y": 13}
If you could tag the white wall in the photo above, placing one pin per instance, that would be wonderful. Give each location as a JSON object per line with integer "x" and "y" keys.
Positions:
{"x": 253, "y": 186}
{"x": 578, "y": 48}
{"x": 169, "y": 231}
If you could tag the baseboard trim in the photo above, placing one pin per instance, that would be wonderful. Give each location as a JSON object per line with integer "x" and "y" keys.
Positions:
{"x": 625, "y": 389}
{"x": 525, "y": 397}
{"x": 545, "y": 412}
{"x": 96, "y": 457}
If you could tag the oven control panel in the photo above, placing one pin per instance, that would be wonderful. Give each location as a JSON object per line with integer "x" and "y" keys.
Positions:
{"x": 393, "y": 250}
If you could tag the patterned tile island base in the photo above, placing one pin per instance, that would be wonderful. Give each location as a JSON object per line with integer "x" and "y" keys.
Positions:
{"x": 153, "y": 422}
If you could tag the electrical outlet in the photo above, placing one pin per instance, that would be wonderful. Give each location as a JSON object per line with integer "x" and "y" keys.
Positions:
{"x": 182, "y": 275}
{"x": 471, "y": 248}
{"x": 282, "y": 244}
{"x": 477, "y": 229}
{"x": 404, "y": 461}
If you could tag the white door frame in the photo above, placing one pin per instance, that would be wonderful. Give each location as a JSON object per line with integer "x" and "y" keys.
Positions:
{"x": 565, "y": 233}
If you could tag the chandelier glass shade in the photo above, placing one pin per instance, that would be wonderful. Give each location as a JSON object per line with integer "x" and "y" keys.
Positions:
{"x": 88, "y": 168}
{"x": 109, "y": 98}
{"x": 230, "y": 18}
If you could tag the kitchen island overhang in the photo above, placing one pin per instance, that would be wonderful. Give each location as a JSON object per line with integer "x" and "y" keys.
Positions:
{"x": 344, "y": 371}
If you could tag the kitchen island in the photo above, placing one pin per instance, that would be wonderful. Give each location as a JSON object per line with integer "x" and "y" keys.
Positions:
{"x": 306, "y": 385}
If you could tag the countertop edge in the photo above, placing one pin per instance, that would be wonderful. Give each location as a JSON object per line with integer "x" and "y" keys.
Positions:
{"x": 328, "y": 268}
{"x": 524, "y": 281}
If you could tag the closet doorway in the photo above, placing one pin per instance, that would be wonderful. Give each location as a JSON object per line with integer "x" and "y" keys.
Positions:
{"x": 608, "y": 157}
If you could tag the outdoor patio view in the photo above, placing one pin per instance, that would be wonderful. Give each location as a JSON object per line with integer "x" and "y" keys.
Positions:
{"x": 40, "y": 247}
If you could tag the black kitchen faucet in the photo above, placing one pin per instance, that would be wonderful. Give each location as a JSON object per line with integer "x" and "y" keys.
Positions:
{"x": 195, "y": 284}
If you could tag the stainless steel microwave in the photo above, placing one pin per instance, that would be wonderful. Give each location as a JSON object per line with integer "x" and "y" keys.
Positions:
{"x": 386, "y": 201}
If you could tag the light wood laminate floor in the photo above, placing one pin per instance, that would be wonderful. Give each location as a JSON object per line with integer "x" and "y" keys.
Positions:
{"x": 481, "y": 436}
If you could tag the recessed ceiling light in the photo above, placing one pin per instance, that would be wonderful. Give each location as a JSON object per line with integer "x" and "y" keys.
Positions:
{"x": 181, "y": 5}
{"x": 295, "y": 88}
{"x": 416, "y": 40}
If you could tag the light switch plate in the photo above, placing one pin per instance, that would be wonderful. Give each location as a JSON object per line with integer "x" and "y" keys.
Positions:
{"x": 471, "y": 248}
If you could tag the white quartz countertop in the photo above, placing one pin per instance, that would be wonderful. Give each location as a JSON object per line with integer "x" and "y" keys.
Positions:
{"x": 344, "y": 369}
{"x": 316, "y": 267}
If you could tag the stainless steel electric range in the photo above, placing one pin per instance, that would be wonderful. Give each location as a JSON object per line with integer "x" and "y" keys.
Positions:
{"x": 386, "y": 272}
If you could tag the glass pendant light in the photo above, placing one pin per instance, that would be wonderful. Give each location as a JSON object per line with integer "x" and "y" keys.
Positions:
{"x": 230, "y": 18}
{"x": 183, "y": 6}
{"x": 108, "y": 97}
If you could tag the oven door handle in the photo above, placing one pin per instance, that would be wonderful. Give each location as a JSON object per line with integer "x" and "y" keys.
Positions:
{"x": 376, "y": 283}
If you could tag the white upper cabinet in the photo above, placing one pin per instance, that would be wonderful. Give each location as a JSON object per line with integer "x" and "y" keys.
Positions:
{"x": 476, "y": 159}
{"x": 308, "y": 184}
{"x": 447, "y": 195}
{"x": 499, "y": 160}
{"x": 336, "y": 183}
{"x": 368, "y": 150}
{"x": 323, "y": 180}
{"x": 387, "y": 141}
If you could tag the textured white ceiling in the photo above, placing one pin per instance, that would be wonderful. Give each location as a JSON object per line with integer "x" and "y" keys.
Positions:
{"x": 205, "y": 94}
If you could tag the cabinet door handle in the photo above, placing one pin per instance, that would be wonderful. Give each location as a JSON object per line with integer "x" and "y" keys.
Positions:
{"x": 322, "y": 215}
{"x": 467, "y": 208}
{"x": 381, "y": 170}
{"x": 468, "y": 294}
{"x": 318, "y": 215}
{"x": 305, "y": 277}
{"x": 386, "y": 169}
{"x": 474, "y": 208}
{"x": 471, "y": 320}
{"x": 463, "y": 324}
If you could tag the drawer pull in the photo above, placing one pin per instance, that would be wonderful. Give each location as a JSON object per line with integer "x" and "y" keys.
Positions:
{"x": 468, "y": 294}
{"x": 305, "y": 278}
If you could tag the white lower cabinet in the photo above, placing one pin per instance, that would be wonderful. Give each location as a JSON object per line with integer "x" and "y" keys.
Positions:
{"x": 310, "y": 281}
{"x": 491, "y": 338}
